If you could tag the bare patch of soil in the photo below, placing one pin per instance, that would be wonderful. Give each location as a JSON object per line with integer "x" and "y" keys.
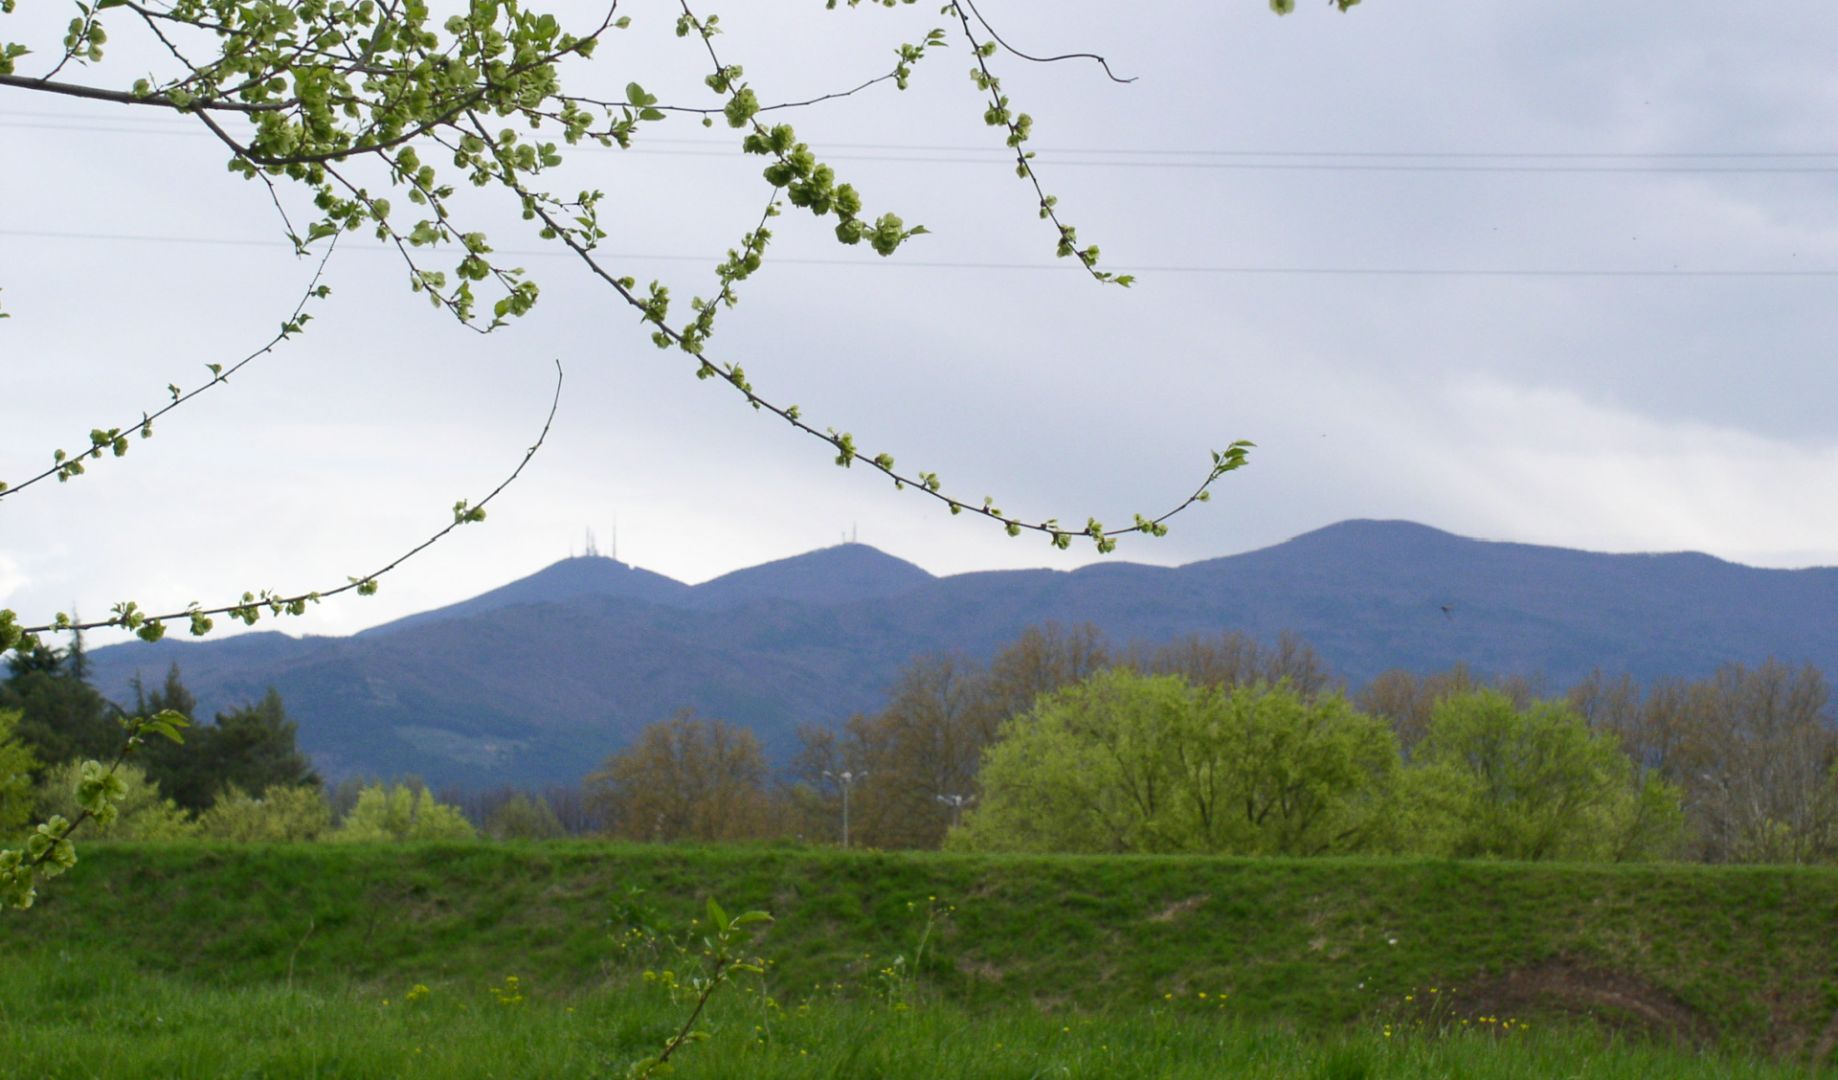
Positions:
{"x": 1570, "y": 987}
{"x": 1179, "y": 908}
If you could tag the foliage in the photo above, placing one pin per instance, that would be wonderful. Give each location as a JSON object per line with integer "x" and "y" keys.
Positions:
{"x": 521, "y": 817}
{"x": 1753, "y": 749}
{"x": 723, "y": 954}
{"x": 1126, "y": 762}
{"x": 401, "y": 812}
{"x": 686, "y": 778}
{"x": 17, "y": 766}
{"x": 142, "y": 812}
{"x": 251, "y": 747}
{"x": 344, "y": 105}
{"x": 61, "y": 717}
{"x": 279, "y": 814}
{"x": 1534, "y": 783}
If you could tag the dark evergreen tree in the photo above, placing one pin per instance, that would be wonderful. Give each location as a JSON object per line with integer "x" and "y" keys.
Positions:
{"x": 250, "y": 748}
{"x": 62, "y": 717}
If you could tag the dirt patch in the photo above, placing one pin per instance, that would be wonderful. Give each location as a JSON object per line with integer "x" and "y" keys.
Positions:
{"x": 1179, "y": 908}
{"x": 1570, "y": 987}
{"x": 979, "y": 970}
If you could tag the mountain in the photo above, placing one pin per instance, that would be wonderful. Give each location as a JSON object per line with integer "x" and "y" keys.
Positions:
{"x": 834, "y": 575}
{"x": 542, "y": 678}
{"x": 571, "y": 579}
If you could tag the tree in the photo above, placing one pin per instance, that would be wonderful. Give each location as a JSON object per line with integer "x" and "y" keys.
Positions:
{"x": 61, "y": 717}
{"x": 686, "y": 778}
{"x": 1127, "y": 762}
{"x": 278, "y": 815}
{"x": 17, "y": 768}
{"x": 335, "y": 106}
{"x": 251, "y": 747}
{"x": 522, "y": 818}
{"x": 142, "y": 812}
{"x": 1493, "y": 779}
{"x": 399, "y": 812}
{"x": 920, "y": 754}
{"x": 1753, "y": 750}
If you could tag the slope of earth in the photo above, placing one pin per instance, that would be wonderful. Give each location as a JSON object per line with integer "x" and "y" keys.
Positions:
{"x": 1741, "y": 957}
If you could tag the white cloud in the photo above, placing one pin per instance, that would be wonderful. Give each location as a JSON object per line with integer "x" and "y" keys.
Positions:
{"x": 12, "y": 578}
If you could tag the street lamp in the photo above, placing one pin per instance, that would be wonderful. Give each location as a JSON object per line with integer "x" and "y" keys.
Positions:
{"x": 957, "y": 804}
{"x": 848, "y": 779}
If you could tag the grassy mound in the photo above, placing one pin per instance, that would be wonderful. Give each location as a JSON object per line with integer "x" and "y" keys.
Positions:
{"x": 1742, "y": 957}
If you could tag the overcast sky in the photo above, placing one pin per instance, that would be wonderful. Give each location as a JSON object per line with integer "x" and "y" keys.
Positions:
{"x": 1519, "y": 272}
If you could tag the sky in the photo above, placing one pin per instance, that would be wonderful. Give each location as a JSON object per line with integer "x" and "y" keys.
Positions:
{"x": 1556, "y": 273}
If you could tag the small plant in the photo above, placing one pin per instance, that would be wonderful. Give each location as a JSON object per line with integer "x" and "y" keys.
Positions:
{"x": 508, "y": 994}
{"x": 899, "y": 976}
{"x": 723, "y": 956}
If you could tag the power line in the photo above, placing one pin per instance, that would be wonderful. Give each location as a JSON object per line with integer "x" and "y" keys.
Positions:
{"x": 918, "y": 264}
{"x": 1400, "y": 161}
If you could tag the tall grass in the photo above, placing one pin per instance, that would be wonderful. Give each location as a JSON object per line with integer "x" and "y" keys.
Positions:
{"x": 94, "y": 1015}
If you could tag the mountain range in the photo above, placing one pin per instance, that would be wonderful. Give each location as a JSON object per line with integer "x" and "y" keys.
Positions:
{"x": 539, "y": 680}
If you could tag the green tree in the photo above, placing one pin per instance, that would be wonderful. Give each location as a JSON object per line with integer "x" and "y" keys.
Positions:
{"x": 17, "y": 768}
{"x": 521, "y": 817}
{"x": 61, "y": 717}
{"x": 280, "y": 814}
{"x": 251, "y": 747}
{"x": 143, "y": 812}
{"x": 1493, "y": 779}
{"x": 1128, "y": 762}
{"x": 401, "y": 812}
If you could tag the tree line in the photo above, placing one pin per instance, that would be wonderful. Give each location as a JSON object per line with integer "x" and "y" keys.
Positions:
{"x": 1064, "y": 742}
{"x": 1061, "y": 742}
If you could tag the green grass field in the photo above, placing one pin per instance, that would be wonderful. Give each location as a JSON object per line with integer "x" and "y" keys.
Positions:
{"x": 295, "y": 961}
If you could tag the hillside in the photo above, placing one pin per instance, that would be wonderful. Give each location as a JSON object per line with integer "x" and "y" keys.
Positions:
{"x": 1738, "y": 956}
{"x": 540, "y": 679}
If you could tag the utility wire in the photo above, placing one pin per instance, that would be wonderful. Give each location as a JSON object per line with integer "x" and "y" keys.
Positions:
{"x": 1711, "y": 161}
{"x": 1241, "y": 270}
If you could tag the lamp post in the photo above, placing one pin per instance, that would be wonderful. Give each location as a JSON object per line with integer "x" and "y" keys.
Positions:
{"x": 957, "y": 804}
{"x": 847, "y": 778}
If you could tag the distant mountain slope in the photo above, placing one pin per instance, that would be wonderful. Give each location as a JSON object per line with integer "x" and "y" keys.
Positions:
{"x": 833, "y": 575}
{"x": 570, "y": 579}
{"x": 542, "y": 678}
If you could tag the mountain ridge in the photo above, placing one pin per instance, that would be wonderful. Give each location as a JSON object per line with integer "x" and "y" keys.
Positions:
{"x": 542, "y": 677}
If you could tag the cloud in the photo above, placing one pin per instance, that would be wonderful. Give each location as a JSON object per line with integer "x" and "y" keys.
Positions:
{"x": 12, "y": 578}
{"x": 1543, "y": 465}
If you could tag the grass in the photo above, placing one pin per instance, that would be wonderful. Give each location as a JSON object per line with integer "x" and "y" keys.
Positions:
{"x": 273, "y": 961}
{"x": 95, "y": 1016}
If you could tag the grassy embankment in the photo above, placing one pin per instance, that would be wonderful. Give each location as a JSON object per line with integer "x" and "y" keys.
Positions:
{"x": 284, "y": 955}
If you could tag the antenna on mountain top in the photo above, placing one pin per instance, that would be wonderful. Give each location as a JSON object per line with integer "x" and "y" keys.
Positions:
{"x": 593, "y": 548}
{"x": 615, "y": 537}
{"x": 851, "y": 532}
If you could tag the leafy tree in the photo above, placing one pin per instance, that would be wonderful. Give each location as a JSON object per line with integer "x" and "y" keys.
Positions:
{"x": 1493, "y": 779}
{"x": 686, "y": 778}
{"x": 1128, "y": 762}
{"x": 401, "y": 812}
{"x": 280, "y": 814}
{"x": 521, "y": 817}
{"x": 17, "y": 766}
{"x": 341, "y": 109}
{"x": 333, "y": 107}
{"x": 143, "y": 813}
